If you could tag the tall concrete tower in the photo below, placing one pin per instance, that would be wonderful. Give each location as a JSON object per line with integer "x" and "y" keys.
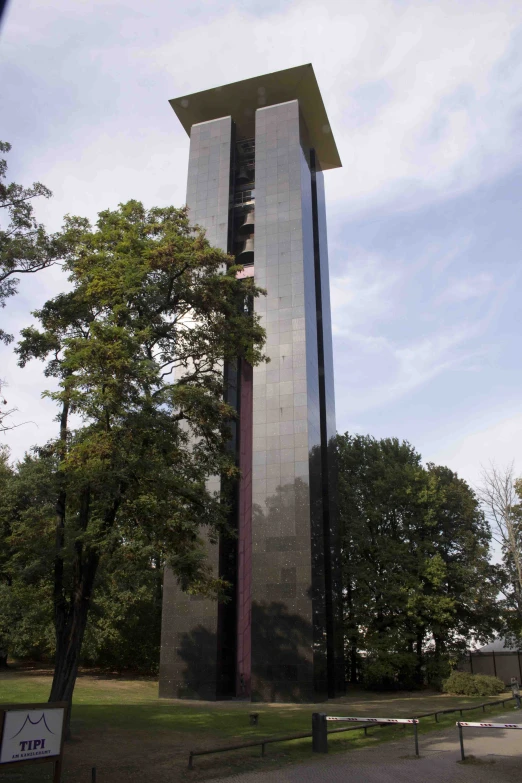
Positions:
{"x": 258, "y": 149}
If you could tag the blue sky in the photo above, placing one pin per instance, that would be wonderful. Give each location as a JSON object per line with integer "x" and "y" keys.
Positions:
{"x": 425, "y": 224}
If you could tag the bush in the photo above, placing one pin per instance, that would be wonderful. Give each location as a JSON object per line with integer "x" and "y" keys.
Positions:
{"x": 437, "y": 670}
{"x": 465, "y": 684}
{"x": 379, "y": 675}
{"x": 390, "y": 671}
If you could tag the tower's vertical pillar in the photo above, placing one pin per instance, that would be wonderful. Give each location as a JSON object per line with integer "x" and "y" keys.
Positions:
{"x": 208, "y": 183}
{"x": 288, "y": 586}
{"x": 329, "y": 472}
{"x": 244, "y": 537}
{"x": 191, "y": 660}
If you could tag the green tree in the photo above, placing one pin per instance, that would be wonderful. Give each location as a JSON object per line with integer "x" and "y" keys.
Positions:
{"x": 26, "y": 528}
{"x": 124, "y": 628}
{"x": 376, "y": 479}
{"x": 416, "y": 575}
{"x": 138, "y": 347}
{"x": 5, "y": 477}
{"x": 124, "y": 625}
{"x": 459, "y": 586}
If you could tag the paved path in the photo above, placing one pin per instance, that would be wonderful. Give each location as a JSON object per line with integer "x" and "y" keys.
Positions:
{"x": 498, "y": 751}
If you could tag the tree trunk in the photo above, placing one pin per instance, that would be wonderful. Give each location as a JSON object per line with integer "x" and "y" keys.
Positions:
{"x": 3, "y": 659}
{"x": 440, "y": 648}
{"x": 72, "y": 601}
{"x": 420, "y": 657}
{"x": 351, "y": 633}
{"x": 71, "y": 622}
{"x": 71, "y": 617}
{"x": 353, "y": 664}
{"x": 68, "y": 649}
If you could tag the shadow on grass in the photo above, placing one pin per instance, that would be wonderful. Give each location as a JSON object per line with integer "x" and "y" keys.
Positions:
{"x": 474, "y": 761}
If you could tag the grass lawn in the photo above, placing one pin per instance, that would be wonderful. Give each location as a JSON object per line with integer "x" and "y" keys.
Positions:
{"x": 121, "y": 727}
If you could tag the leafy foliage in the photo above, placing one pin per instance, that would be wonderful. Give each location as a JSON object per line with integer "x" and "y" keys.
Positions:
{"x": 415, "y": 564}
{"x": 138, "y": 347}
{"x": 124, "y": 628}
{"x": 466, "y": 684}
{"x": 26, "y": 527}
{"x": 125, "y": 618}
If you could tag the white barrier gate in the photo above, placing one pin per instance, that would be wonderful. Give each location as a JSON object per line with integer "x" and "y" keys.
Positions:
{"x": 377, "y": 720}
{"x": 463, "y": 724}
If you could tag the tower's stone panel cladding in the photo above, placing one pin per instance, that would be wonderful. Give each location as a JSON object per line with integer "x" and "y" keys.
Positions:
{"x": 289, "y": 655}
{"x": 280, "y": 636}
{"x": 329, "y": 468}
{"x": 190, "y": 656}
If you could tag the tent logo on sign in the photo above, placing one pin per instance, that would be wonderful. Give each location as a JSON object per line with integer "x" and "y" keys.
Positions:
{"x": 33, "y": 744}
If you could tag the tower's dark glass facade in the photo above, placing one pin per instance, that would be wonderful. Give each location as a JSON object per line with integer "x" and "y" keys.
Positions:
{"x": 258, "y": 149}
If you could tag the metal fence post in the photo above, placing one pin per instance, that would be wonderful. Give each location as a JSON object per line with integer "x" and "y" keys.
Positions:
{"x": 461, "y": 738}
{"x": 319, "y": 733}
{"x": 416, "y": 735}
{"x": 57, "y": 776}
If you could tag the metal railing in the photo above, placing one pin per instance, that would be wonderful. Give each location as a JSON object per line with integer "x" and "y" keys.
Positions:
{"x": 244, "y": 197}
{"x": 320, "y": 719}
{"x": 465, "y": 709}
{"x": 268, "y": 741}
{"x": 255, "y": 743}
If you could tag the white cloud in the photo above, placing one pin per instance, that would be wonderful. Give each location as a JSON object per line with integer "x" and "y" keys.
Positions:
{"x": 439, "y": 86}
{"x": 474, "y": 287}
{"x": 490, "y": 436}
{"x": 389, "y": 370}
{"x": 364, "y": 295}
{"x": 445, "y": 119}
{"x": 422, "y": 360}
{"x": 386, "y": 347}
{"x": 424, "y": 100}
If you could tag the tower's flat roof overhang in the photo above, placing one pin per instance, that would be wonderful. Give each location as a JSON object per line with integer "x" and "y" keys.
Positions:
{"x": 241, "y": 99}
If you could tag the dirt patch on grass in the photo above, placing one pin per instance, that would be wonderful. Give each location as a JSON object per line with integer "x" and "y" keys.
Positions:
{"x": 124, "y": 756}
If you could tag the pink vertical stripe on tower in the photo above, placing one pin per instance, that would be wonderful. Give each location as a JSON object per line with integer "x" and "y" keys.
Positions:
{"x": 244, "y": 583}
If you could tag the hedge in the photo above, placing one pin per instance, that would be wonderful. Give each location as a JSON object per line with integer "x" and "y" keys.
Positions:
{"x": 465, "y": 684}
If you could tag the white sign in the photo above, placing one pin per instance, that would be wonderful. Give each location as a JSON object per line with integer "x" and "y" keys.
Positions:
{"x": 31, "y": 734}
